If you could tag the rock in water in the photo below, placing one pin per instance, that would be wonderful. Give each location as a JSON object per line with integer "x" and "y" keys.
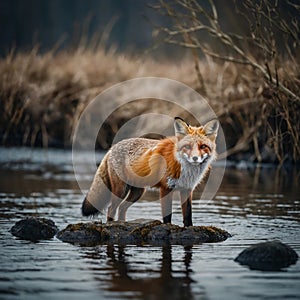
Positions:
{"x": 141, "y": 231}
{"x": 34, "y": 229}
{"x": 268, "y": 256}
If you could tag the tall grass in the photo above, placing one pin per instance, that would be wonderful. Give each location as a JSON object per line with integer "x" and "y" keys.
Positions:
{"x": 43, "y": 95}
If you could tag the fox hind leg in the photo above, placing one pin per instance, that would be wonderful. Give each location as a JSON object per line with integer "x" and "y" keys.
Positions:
{"x": 134, "y": 195}
{"x": 117, "y": 195}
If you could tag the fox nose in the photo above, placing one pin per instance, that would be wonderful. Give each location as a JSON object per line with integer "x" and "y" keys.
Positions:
{"x": 195, "y": 158}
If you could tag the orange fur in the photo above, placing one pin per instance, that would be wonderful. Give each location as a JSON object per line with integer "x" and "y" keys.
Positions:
{"x": 154, "y": 160}
{"x": 195, "y": 130}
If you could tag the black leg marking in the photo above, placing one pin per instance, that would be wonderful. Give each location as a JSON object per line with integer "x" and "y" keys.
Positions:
{"x": 167, "y": 219}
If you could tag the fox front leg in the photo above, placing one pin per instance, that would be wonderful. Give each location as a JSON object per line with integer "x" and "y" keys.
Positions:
{"x": 186, "y": 206}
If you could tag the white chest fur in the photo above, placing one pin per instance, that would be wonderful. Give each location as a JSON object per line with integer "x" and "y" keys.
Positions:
{"x": 190, "y": 176}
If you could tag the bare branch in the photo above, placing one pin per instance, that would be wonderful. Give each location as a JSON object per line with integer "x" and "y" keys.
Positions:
{"x": 270, "y": 33}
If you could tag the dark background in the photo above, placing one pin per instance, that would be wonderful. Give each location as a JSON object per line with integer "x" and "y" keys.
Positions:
{"x": 61, "y": 23}
{"x": 128, "y": 24}
{"x": 57, "y": 24}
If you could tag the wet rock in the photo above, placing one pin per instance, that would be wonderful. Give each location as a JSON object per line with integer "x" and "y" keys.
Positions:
{"x": 268, "y": 256}
{"x": 34, "y": 229}
{"x": 82, "y": 233}
{"x": 198, "y": 234}
{"x": 140, "y": 231}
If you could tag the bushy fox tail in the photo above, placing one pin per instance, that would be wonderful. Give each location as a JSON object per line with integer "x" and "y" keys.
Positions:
{"x": 99, "y": 194}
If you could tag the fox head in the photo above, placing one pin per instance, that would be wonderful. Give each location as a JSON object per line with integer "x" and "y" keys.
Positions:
{"x": 196, "y": 145}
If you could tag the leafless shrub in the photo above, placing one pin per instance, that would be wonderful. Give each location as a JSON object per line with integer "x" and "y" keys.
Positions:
{"x": 256, "y": 91}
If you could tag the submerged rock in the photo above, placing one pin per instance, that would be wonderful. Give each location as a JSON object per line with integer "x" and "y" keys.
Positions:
{"x": 268, "y": 256}
{"x": 140, "y": 231}
{"x": 34, "y": 229}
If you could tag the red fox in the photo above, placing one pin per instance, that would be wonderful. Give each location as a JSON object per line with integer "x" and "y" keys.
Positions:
{"x": 174, "y": 163}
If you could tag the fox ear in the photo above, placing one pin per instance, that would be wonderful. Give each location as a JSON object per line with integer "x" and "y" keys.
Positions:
{"x": 181, "y": 127}
{"x": 211, "y": 129}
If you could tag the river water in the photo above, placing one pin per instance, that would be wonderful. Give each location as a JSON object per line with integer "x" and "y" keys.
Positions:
{"x": 253, "y": 203}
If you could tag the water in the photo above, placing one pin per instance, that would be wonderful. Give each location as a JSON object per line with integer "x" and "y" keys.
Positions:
{"x": 254, "y": 205}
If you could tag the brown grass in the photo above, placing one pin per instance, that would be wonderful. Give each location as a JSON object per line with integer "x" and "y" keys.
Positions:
{"x": 42, "y": 95}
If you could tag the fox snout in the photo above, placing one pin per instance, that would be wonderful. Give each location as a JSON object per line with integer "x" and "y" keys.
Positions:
{"x": 196, "y": 159}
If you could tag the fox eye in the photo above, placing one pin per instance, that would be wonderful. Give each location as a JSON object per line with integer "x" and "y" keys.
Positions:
{"x": 203, "y": 146}
{"x": 187, "y": 147}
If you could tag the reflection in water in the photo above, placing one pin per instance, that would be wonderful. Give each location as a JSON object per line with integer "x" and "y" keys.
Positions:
{"x": 140, "y": 279}
{"x": 265, "y": 192}
{"x": 254, "y": 204}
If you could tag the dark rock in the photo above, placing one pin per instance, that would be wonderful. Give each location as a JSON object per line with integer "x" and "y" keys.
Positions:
{"x": 34, "y": 229}
{"x": 81, "y": 233}
{"x": 198, "y": 234}
{"x": 141, "y": 231}
{"x": 268, "y": 256}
